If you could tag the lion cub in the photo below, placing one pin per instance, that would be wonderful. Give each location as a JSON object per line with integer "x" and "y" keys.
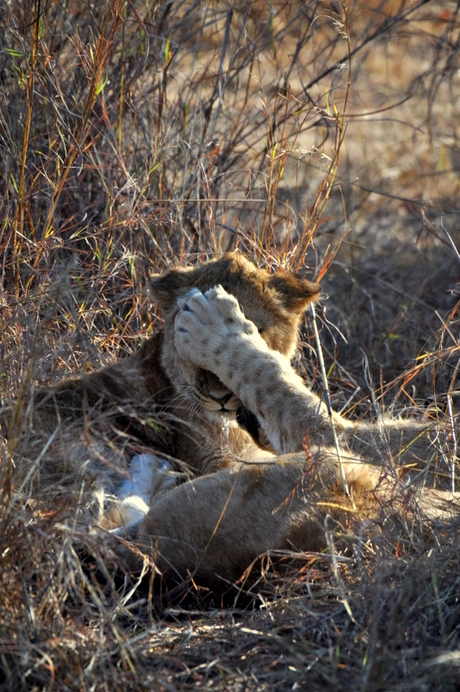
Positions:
{"x": 189, "y": 406}
{"x": 83, "y": 432}
{"x": 216, "y": 525}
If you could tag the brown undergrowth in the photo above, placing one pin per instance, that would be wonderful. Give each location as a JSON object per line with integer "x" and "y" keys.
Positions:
{"x": 135, "y": 136}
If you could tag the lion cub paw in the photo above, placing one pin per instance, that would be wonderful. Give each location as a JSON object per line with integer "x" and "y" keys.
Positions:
{"x": 149, "y": 476}
{"x": 207, "y": 323}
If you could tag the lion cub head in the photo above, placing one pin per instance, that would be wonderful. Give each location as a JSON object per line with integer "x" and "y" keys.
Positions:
{"x": 274, "y": 302}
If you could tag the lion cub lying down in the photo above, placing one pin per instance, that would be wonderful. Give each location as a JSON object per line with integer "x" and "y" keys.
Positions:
{"x": 193, "y": 401}
{"x": 229, "y": 517}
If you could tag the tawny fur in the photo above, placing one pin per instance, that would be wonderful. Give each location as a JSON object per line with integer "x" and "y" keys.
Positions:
{"x": 177, "y": 397}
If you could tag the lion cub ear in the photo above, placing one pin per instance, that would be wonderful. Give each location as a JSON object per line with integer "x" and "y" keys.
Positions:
{"x": 167, "y": 288}
{"x": 294, "y": 291}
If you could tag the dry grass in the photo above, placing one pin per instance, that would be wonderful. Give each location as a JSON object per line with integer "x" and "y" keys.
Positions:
{"x": 135, "y": 136}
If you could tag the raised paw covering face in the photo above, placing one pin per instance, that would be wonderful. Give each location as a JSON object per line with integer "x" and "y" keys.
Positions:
{"x": 209, "y": 324}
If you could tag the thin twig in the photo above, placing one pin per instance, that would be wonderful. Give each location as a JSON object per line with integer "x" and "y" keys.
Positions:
{"x": 328, "y": 403}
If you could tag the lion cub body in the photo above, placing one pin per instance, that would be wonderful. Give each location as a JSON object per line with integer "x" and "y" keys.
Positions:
{"x": 87, "y": 429}
{"x": 174, "y": 406}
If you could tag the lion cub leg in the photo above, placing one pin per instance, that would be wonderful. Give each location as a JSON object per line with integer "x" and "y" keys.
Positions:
{"x": 212, "y": 332}
{"x": 149, "y": 476}
{"x": 217, "y": 525}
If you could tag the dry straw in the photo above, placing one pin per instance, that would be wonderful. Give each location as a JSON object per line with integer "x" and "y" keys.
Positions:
{"x": 138, "y": 136}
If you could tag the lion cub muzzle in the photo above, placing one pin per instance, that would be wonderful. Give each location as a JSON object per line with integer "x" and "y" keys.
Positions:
{"x": 213, "y": 395}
